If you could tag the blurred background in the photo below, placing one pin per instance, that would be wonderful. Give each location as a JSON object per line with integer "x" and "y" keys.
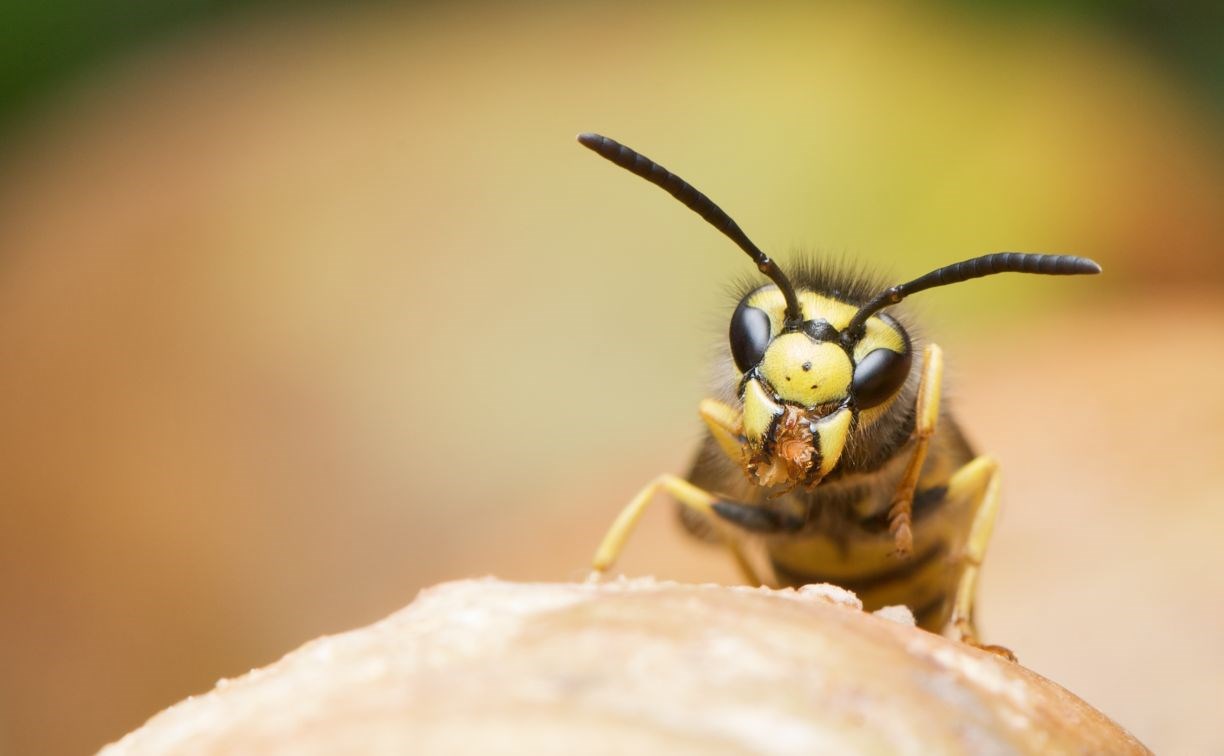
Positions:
{"x": 286, "y": 292}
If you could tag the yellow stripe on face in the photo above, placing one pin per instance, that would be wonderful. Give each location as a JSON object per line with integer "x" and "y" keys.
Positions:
{"x": 832, "y": 432}
{"x": 759, "y": 411}
{"x": 815, "y": 307}
{"x": 880, "y": 334}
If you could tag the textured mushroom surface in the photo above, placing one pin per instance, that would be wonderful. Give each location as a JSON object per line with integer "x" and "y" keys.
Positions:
{"x": 485, "y": 666}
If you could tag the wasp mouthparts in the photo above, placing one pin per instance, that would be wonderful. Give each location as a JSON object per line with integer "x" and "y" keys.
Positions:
{"x": 792, "y": 455}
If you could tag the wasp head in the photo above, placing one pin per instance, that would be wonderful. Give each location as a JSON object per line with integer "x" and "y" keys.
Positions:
{"x": 806, "y": 380}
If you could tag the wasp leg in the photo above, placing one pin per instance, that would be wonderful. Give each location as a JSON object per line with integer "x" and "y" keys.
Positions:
{"x": 726, "y": 425}
{"x": 926, "y": 408}
{"x": 979, "y": 481}
{"x": 689, "y": 496}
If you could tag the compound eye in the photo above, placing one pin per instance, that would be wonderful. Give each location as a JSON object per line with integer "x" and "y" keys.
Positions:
{"x": 749, "y": 336}
{"x": 879, "y": 375}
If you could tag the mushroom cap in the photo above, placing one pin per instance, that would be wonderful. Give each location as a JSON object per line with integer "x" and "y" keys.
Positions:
{"x": 486, "y": 666}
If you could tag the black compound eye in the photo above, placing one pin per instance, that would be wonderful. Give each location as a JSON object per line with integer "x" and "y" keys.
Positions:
{"x": 749, "y": 336}
{"x": 879, "y": 375}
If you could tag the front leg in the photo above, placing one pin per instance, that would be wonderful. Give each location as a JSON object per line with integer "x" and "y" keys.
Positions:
{"x": 726, "y": 425}
{"x": 688, "y": 495}
{"x": 926, "y": 415}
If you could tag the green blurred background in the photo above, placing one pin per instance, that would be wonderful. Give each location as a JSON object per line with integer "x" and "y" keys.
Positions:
{"x": 287, "y": 292}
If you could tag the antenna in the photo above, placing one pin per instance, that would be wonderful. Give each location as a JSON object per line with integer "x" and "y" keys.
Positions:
{"x": 637, "y": 163}
{"x": 977, "y": 267}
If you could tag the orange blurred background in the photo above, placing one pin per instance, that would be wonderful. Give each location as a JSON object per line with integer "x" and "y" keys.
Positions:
{"x": 304, "y": 310}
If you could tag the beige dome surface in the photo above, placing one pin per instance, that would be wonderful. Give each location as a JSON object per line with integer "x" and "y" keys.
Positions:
{"x": 486, "y": 666}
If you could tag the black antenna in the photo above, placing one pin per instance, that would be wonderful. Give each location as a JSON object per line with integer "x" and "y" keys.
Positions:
{"x": 977, "y": 267}
{"x": 635, "y": 162}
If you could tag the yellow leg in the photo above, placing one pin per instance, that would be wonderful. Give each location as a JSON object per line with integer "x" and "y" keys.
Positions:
{"x": 979, "y": 482}
{"x": 926, "y": 416}
{"x": 688, "y": 495}
{"x": 726, "y": 425}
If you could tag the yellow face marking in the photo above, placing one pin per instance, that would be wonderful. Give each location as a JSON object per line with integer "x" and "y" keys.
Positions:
{"x": 833, "y": 431}
{"x": 815, "y": 307}
{"x": 806, "y": 372}
{"x": 759, "y": 411}
{"x": 880, "y": 334}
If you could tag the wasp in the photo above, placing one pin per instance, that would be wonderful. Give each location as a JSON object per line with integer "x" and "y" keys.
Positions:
{"x": 827, "y": 440}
